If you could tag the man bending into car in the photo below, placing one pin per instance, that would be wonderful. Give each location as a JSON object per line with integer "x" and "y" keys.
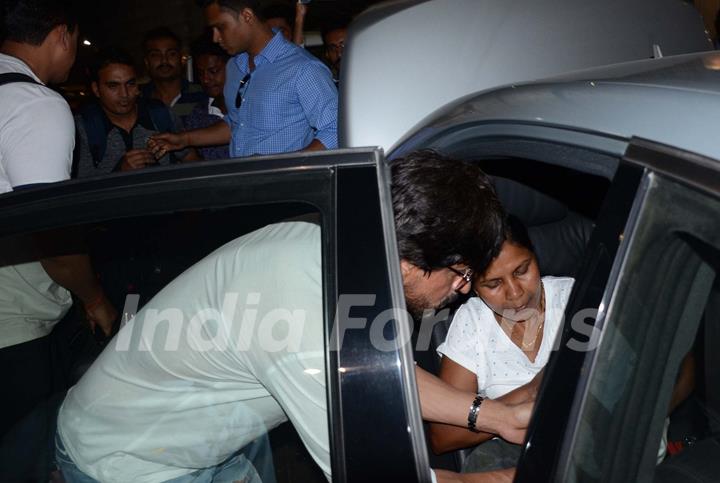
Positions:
{"x": 191, "y": 380}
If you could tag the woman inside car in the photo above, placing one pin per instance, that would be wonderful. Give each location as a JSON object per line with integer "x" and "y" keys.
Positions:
{"x": 500, "y": 341}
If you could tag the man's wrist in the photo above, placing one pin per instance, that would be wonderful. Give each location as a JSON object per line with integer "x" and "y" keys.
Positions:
{"x": 92, "y": 296}
{"x": 490, "y": 416}
{"x": 186, "y": 139}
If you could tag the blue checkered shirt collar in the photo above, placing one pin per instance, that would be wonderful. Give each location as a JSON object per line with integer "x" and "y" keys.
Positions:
{"x": 275, "y": 49}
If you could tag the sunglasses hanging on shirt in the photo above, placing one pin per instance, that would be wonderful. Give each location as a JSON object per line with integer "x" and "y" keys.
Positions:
{"x": 241, "y": 90}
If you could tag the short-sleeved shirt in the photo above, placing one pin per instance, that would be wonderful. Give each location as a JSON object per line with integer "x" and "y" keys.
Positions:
{"x": 37, "y": 134}
{"x": 118, "y": 141}
{"x": 288, "y": 101}
{"x": 477, "y": 342}
{"x": 230, "y": 349}
{"x": 37, "y": 137}
{"x": 206, "y": 115}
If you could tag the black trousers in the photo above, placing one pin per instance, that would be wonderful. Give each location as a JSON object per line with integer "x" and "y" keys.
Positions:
{"x": 27, "y": 377}
{"x": 33, "y": 377}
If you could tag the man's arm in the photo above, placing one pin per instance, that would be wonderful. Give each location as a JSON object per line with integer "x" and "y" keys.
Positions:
{"x": 43, "y": 132}
{"x": 446, "y": 437}
{"x": 298, "y": 30}
{"x": 215, "y": 135}
{"x": 318, "y": 97}
{"x": 75, "y": 273}
{"x": 525, "y": 393}
{"x": 442, "y": 403}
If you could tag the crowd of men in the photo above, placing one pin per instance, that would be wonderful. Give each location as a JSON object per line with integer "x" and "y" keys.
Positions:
{"x": 259, "y": 94}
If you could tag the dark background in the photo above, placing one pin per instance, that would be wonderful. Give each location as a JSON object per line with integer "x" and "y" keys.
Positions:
{"x": 123, "y": 23}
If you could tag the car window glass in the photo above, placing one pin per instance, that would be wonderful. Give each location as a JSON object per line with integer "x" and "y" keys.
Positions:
{"x": 650, "y": 412}
{"x": 221, "y": 347}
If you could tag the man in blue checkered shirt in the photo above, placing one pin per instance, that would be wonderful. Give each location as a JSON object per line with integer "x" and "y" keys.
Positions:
{"x": 279, "y": 97}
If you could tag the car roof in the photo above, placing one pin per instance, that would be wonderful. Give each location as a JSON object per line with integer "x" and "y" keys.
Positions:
{"x": 673, "y": 101}
{"x": 406, "y": 59}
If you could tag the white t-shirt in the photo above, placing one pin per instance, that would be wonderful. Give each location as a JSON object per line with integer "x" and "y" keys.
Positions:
{"x": 37, "y": 131}
{"x": 37, "y": 137}
{"x": 155, "y": 408}
{"x": 477, "y": 342}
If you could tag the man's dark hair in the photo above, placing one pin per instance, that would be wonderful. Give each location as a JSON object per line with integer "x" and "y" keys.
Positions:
{"x": 107, "y": 56}
{"x": 334, "y": 23}
{"x": 446, "y": 212}
{"x": 159, "y": 33}
{"x": 235, "y": 5}
{"x": 30, "y": 21}
{"x": 279, "y": 10}
{"x": 204, "y": 45}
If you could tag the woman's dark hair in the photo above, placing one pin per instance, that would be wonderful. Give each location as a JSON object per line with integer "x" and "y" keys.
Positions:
{"x": 30, "y": 21}
{"x": 515, "y": 232}
{"x": 446, "y": 212}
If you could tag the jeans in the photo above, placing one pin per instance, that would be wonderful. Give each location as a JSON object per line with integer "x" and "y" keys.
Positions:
{"x": 234, "y": 469}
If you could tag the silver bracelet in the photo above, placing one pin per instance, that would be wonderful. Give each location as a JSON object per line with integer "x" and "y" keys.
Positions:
{"x": 472, "y": 415}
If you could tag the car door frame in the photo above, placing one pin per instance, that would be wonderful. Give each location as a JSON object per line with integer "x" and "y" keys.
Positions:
{"x": 338, "y": 183}
{"x": 555, "y": 424}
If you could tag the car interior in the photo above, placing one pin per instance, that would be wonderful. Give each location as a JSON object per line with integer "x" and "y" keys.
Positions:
{"x": 693, "y": 432}
{"x": 662, "y": 374}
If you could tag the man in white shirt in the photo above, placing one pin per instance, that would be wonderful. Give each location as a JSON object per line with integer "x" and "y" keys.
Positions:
{"x": 234, "y": 346}
{"x": 37, "y": 137}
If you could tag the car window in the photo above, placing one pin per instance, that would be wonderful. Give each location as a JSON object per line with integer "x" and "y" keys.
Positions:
{"x": 188, "y": 286}
{"x": 650, "y": 411}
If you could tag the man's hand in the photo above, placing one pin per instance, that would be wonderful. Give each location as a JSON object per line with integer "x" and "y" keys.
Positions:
{"x": 75, "y": 273}
{"x": 509, "y": 421}
{"x": 100, "y": 313}
{"x": 136, "y": 159}
{"x": 498, "y": 476}
{"x": 161, "y": 144}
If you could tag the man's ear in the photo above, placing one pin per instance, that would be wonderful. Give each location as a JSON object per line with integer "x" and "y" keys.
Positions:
{"x": 248, "y": 15}
{"x": 64, "y": 36}
{"x": 406, "y": 268}
{"x": 95, "y": 89}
